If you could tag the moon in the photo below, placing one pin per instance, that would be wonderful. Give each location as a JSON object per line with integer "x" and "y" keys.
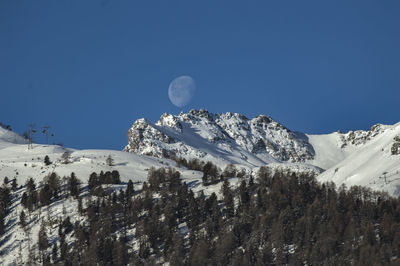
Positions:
{"x": 181, "y": 90}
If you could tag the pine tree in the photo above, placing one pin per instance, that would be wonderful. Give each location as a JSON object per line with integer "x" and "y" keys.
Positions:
{"x": 54, "y": 253}
{"x": 205, "y": 179}
{"x": 178, "y": 251}
{"x": 22, "y": 219}
{"x": 30, "y": 185}
{"x": 229, "y": 171}
{"x": 120, "y": 253}
{"x": 43, "y": 242}
{"x": 2, "y": 225}
{"x": 67, "y": 225}
{"x": 14, "y": 185}
{"x": 47, "y": 160}
{"x": 73, "y": 185}
{"x": 115, "y": 177}
{"x": 228, "y": 199}
{"x": 210, "y": 173}
{"x": 54, "y": 182}
{"x": 243, "y": 193}
{"x": 66, "y": 157}
{"x": 199, "y": 252}
{"x": 80, "y": 205}
{"x": 93, "y": 182}
{"x": 224, "y": 248}
{"x": 130, "y": 189}
{"x": 24, "y": 200}
{"x": 45, "y": 195}
{"x": 110, "y": 160}
{"x": 63, "y": 248}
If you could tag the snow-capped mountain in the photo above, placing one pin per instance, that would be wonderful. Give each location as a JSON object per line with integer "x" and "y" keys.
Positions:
{"x": 369, "y": 158}
{"x": 231, "y": 137}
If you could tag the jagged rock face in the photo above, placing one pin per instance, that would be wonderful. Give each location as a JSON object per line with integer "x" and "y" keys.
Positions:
{"x": 264, "y": 135}
{"x": 396, "y": 146}
{"x": 170, "y": 121}
{"x": 360, "y": 137}
{"x": 145, "y": 139}
{"x": 200, "y": 133}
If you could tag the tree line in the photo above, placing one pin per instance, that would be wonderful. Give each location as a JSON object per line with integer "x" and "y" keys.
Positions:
{"x": 272, "y": 218}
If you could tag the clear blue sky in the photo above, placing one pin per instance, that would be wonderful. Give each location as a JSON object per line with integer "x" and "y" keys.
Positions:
{"x": 89, "y": 69}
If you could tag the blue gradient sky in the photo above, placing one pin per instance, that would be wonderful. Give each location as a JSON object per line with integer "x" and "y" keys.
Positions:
{"x": 90, "y": 68}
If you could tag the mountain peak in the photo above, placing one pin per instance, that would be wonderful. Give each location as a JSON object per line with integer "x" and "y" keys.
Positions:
{"x": 230, "y": 137}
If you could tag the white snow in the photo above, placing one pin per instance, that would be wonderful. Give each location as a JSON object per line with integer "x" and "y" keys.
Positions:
{"x": 367, "y": 165}
{"x": 328, "y": 151}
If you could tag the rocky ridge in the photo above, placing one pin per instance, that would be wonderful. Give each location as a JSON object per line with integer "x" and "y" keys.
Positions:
{"x": 199, "y": 133}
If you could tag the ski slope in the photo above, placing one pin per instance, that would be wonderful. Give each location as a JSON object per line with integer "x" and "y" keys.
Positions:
{"x": 371, "y": 165}
{"x": 17, "y": 161}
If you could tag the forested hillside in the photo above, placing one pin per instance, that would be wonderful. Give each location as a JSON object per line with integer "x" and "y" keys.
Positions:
{"x": 271, "y": 218}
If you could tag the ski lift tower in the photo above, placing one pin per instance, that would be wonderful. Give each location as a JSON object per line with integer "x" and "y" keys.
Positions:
{"x": 46, "y": 132}
{"x": 31, "y": 132}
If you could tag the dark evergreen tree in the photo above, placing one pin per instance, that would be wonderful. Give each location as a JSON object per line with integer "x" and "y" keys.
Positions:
{"x": 30, "y": 185}
{"x": 43, "y": 242}
{"x": 54, "y": 253}
{"x": 210, "y": 173}
{"x": 54, "y": 182}
{"x": 22, "y": 219}
{"x": 199, "y": 254}
{"x": 110, "y": 160}
{"x": 115, "y": 177}
{"x": 66, "y": 157}
{"x": 2, "y": 224}
{"x": 130, "y": 189}
{"x": 243, "y": 193}
{"x": 229, "y": 205}
{"x": 24, "y": 200}
{"x": 67, "y": 225}
{"x": 14, "y": 185}
{"x": 73, "y": 185}
{"x": 93, "y": 182}
{"x": 120, "y": 253}
{"x": 229, "y": 171}
{"x": 80, "y": 205}
{"x": 45, "y": 195}
{"x": 177, "y": 256}
{"x": 47, "y": 160}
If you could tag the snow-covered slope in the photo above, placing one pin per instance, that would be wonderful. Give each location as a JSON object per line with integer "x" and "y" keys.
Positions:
{"x": 374, "y": 163}
{"x": 7, "y": 138}
{"x": 331, "y": 149}
{"x": 17, "y": 161}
